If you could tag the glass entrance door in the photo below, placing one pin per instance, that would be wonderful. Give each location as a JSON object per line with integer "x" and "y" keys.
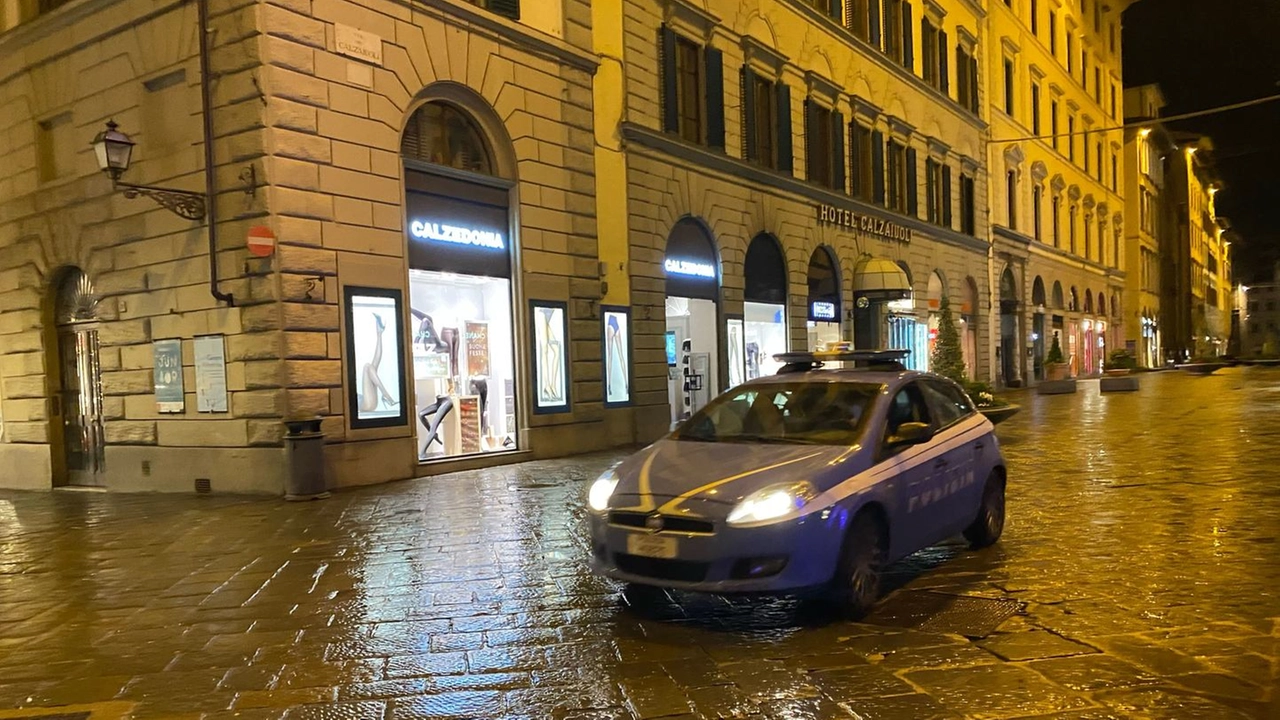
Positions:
{"x": 81, "y": 406}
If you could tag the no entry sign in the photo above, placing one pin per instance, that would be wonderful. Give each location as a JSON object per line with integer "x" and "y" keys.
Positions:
{"x": 261, "y": 241}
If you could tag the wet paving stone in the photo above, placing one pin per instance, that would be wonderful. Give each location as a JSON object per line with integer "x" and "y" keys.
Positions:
{"x": 1141, "y": 547}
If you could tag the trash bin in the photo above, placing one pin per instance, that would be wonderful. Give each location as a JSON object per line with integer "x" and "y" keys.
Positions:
{"x": 305, "y": 445}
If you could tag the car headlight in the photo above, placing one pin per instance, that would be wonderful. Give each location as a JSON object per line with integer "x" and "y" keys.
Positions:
{"x": 772, "y": 502}
{"x": 601, "y": 491}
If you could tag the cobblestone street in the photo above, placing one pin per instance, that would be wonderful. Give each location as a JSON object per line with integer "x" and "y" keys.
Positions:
{"x": 1141, "y": 543}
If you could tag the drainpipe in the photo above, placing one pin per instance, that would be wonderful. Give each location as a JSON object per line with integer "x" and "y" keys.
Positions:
{"x": 210, "y": 173}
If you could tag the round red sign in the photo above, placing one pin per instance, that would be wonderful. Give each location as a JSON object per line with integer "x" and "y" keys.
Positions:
{"x": 261, "y": 241}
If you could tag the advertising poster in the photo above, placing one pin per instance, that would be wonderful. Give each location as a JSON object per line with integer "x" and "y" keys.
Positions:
{"x": 617, "y": 388}
{"x": 211, "y": 374}
{"x": 671, "y": 348}
{"x": 551, "y": 367}
{"x": 375, "y": 350}
{"x": 469, "y": 424}
{"x": 167, "y": 359}
{"x": 477, "y": 338}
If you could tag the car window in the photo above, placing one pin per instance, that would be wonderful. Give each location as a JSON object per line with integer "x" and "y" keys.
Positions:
{"x": 950, "y": 404}
{"x": 907, "y": 406}
{"x": 823, "y": 413}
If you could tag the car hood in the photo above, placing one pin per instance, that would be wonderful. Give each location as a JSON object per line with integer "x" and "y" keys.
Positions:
{"x": 710, "y": 478}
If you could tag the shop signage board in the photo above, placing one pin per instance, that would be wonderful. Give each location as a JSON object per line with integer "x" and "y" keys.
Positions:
{"x": 822, "y": 310}
{"x": 457, "y": 234}
{"x": 690, "y": 268}
{"x": 868, "y": 224}
{"x": 211, "y": 374}
{"x": 167, "y": 372}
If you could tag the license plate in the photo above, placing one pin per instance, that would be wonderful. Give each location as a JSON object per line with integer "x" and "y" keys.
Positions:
{"x": 653, "y": 546}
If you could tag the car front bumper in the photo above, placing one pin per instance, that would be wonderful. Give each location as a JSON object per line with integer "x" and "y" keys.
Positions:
{"x": 807, "y": 549}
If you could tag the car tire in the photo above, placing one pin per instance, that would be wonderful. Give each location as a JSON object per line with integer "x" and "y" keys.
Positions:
{"x": 989, "y": 525}
{"x": 860, "y": 570}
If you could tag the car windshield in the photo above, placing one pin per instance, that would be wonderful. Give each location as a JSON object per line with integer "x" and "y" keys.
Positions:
{"x": 807, "y": 413}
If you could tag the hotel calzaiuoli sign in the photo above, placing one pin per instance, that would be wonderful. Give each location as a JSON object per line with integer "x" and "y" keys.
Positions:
{"x": 868, "y": 224}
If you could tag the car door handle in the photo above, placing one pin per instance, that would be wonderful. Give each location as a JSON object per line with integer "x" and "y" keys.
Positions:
{"x": 978, "y": 446}
{"x": 940, "y": 463}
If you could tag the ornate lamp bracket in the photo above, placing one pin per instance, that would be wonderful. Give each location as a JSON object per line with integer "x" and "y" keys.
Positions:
{"x": 186, "y": 204}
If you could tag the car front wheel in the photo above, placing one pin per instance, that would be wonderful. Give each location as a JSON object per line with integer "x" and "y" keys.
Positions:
{"x": 988, "y": 526}
{"x": 862, "y": 561}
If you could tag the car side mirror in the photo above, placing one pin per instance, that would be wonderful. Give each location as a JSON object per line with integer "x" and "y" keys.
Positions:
{"x": 912, "y": 433}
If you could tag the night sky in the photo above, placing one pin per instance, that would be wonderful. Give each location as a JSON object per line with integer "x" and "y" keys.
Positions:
{"x": 1206, "y": 53}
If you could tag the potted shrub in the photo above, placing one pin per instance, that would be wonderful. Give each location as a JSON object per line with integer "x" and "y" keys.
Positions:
{"x": 947, "y": 360}
{"x": 1120, "y": 363}
{"x": 1055, "y": 365}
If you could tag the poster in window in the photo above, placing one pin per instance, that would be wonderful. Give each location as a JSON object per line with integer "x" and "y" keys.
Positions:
{"x": 617, "y": 356}
{"x": 375, "y": 353}
{"x": 211, "y": 374}
{"x": 469, "y": 425}
{"x": 737, "y": 351}
{"x": 671, "y": 348}
{"x": 477, "y": 339}
{"x": 550, "y": 357}
{"x": 167, "y": 373}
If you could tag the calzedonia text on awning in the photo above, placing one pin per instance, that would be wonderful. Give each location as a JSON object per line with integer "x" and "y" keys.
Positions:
{"x": 869, "y": 224}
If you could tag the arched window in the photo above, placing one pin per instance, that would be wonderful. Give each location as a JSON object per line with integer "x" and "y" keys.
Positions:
{"x": 440, "y": 134}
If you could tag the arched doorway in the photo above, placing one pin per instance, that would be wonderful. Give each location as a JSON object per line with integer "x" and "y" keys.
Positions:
{"x": 1058, "y": 323}
{"x": 764, "y": 306}
{"x": 1073, "y": 331}
{"x": 1088, "y": 355}
{"x": 1009, "y": 328}
{"x": 906, "y": 331}
{"x": 933, "y": 297}
{"x": 1038, "y": 302}
{"x": 692, "y": 267}
{"x": 1102, "y": 328}
{"x": 879, "y": 285}
{"x": 823, "y": 304}
{"x": 462, "y": 245}
{"x": 969, "y": 314}
{"x": 76, "y": 361}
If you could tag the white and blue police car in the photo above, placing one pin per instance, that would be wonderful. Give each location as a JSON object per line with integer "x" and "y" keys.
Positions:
{"x": 817, "y": 477}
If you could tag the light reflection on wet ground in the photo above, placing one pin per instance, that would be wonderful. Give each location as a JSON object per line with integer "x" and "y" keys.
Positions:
{"x": 1142, "y": 538}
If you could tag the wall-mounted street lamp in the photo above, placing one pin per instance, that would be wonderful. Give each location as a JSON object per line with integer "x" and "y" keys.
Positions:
{"x": 114, "y": 150}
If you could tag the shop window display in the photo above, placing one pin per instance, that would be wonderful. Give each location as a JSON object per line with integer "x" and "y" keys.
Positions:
{"x": 551, "y": 362}
{"x": 766, "y": 336}
{"x": 464, "y": 369}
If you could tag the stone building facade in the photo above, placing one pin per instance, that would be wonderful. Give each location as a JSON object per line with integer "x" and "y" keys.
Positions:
{"x": 1056, "y": 163}
{"x": 398, "y": 153}
{"x": 1151, "y": 201}
{"x": 798, "y": 174}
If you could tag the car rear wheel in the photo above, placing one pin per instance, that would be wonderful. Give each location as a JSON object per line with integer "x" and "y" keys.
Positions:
{"x": 858, "y": 577}
{"x": 988, "y": 526}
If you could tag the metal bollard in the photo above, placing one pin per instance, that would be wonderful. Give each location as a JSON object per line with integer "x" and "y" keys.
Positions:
{"x": 305, "y": 445}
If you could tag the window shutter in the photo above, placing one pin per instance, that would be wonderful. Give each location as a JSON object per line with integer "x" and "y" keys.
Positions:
{"x": 873, "y": 22}
{"x": 973, "y": 84}
{"x": 714, "y": 60}
{"x": 749, "y": 144}
{"x": 836, "y": 10}
{"x": 786, "y": 162}
{"x": 856, "y": 160}
{"x": 670, "y": 108}
{"x": 946, "y": 195}
{"x": 930, "y": 192}
{"x": 908, "y": 39}
{"x": 877, "y": 167}
{"x": 808, "y": 139}
{"x": 506, "y": 8}
{"x": 962, "y": 78}
{"x": 913, "y": 192}
{"x": 943, "y": 68}
{"x": 837, "y": 133}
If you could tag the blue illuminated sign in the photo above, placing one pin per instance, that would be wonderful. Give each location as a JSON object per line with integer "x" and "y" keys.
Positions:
{"x": 688, "y": 267}
{"x": 820, "y": 310}
{"x": 456, "y": 234}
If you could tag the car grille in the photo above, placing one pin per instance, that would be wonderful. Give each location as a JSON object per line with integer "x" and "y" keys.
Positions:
{"x": 670, "y": 523}
{"x": 678, "y": 570}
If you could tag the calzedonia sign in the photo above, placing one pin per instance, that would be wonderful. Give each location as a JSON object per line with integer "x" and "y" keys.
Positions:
{"x": 456, "y": 234}
{"x": 868, "y": 224}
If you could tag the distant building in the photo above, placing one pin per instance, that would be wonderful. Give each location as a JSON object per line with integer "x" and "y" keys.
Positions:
{"x": 1151, "y": 231}
{"x": 1260, "y": 319}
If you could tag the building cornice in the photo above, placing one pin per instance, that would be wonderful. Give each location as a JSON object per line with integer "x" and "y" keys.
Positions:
{"x": 743, "y": 172}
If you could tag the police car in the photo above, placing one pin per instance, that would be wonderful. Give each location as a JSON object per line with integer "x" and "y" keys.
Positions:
{"x": 818, "y": 476}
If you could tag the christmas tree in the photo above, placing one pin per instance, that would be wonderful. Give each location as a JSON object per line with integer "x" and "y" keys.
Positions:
{"x": 948, "y": 357}
{"x": 1055, "y": 352}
